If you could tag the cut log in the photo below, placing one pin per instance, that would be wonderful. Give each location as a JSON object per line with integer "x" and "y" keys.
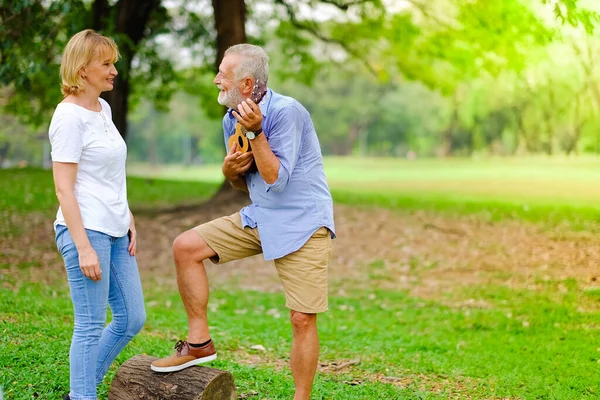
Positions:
{"x": 135, "y": 380}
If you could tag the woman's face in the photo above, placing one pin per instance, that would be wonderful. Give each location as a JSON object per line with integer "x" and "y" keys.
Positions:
{"x": 100, "y": 73}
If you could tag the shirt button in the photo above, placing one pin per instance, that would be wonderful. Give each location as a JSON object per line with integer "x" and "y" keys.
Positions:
{"x": 253, "y": 185}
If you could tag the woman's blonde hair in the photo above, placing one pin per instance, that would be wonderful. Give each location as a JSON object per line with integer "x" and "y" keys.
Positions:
{"x": 80, "y": 50}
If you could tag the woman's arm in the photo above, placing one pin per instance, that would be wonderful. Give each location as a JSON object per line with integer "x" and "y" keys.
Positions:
{"x": 64, "y": 183}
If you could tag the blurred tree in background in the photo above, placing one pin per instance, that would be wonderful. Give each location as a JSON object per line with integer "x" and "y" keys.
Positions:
{"x": 381, "y": 78}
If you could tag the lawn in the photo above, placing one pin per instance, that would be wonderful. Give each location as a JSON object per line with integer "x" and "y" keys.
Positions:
{"x": 541, "y": 189}
{"x": 484, "y": 341}
{"x": 528, "y": 180}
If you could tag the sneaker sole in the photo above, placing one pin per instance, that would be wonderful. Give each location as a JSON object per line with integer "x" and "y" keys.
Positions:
{"x": 176, "y": 368}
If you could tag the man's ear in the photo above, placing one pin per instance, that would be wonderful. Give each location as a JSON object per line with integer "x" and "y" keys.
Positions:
{"x": 248, "y": 84}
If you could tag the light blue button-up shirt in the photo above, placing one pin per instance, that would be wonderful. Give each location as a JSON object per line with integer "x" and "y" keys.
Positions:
{"x": 290, "y": 210}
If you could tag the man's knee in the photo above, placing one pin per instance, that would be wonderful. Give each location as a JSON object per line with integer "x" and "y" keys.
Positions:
{"x": 302, "y": 321}
{"x": 189, "y": 245}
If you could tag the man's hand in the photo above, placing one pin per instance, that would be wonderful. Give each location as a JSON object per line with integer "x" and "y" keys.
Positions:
{"x": 236, "y": 163}
{"x": 248, "y": 114}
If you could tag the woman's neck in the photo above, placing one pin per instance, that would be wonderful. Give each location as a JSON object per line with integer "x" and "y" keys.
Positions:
{"x": 86, "y": 100}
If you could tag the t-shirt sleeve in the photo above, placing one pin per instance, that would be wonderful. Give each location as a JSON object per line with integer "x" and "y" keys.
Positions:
{"x": 65, "y": 138}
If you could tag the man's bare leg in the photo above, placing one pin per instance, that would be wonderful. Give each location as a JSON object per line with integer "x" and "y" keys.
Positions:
{"x": 189, "y": 251}
{"x": 305, "y": 352}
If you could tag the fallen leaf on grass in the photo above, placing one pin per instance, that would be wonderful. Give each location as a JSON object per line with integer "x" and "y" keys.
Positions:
{"x": 339, "y": 365}
{"x": 247, "y": 395}
{"x": 354, "y": 382}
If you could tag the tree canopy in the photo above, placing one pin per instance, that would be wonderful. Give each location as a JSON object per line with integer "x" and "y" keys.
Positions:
{"x": 431, "y": 77}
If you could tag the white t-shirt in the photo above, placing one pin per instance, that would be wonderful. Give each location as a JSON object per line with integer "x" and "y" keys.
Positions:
{"x": 90, "y": 139}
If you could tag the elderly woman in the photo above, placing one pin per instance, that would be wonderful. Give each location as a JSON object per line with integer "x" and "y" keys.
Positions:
{"x": 95, "y": 231}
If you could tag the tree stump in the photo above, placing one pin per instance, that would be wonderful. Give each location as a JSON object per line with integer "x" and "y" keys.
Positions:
{"x": 135, "y": 380}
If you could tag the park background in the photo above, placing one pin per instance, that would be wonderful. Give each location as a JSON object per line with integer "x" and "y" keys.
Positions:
{"x": 461, "y": 141}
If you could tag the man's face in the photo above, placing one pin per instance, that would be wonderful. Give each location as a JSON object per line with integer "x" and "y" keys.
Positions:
{"x": 230, "y": 94}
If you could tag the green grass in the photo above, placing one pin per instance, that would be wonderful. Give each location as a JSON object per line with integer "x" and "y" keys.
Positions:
{"x": 554, "y": 191}
{"x": 32, "y": 190}
{"x": 540, "y": 344}
{"x": 523, "y": 345}
{"x": 551, "y": 191}
{"x": 576, "y": 217}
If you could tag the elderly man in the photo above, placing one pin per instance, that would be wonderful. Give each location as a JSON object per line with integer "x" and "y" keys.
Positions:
{"x": 290, "y": 219}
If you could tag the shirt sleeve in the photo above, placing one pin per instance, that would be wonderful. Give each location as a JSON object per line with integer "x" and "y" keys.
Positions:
{"x": 65, "y": 138}
{"x": 285, "y": 137}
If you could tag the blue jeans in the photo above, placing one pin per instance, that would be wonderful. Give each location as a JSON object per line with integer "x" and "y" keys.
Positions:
{"x": 94, "y": 346}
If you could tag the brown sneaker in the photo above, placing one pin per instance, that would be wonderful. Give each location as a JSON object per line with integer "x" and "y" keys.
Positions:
{"x": 186, "y": 356}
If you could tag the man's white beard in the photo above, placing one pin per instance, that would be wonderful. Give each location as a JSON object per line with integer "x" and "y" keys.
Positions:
{"x": 230, "y": 98}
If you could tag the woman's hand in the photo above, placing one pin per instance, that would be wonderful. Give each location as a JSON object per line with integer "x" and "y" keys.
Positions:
{"x": 89, "y": 264}
{"x": 132, "y": 236}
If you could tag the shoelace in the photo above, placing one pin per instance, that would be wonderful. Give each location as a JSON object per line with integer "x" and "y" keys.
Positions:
{"x": 179, "y": 345}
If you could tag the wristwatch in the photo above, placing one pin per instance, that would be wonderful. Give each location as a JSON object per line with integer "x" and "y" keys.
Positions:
{"x": 250, "y": 134}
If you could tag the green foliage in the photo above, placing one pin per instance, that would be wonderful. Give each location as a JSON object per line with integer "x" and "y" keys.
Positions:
{"x": 441, "y": 77}
{"x": 481, "y": 37}
{"x": 186, "y": 135}
{"x": 297, "y": 60}
{"x": 32, "y": 36}
{"x": 571, "y": 12}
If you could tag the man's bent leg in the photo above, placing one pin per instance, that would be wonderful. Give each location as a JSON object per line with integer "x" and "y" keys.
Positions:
{"x": 190, "y": 251}
{"x": 305, "y": 352}
{"x": 220, "y": 240}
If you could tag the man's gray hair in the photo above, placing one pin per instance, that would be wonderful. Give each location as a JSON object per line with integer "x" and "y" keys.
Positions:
{"x": 254, "y": 61}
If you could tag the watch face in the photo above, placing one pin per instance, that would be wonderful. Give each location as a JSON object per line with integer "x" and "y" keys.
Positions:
{"x": 250, "y": 135}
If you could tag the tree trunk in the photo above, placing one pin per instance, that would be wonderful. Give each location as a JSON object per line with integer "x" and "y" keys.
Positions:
{"x": 354, "y": 134}
{"x": 131, "y": 21}
{"x": 4, "y": 153}
{"x": 446, "y": 149}
{"x": 230, "y": 24}
{"x": 135, "y": 380}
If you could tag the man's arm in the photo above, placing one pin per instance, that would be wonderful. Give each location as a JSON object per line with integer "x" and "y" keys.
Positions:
{"x": 276, "y": 157}
{"x": 267, "y": 162}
